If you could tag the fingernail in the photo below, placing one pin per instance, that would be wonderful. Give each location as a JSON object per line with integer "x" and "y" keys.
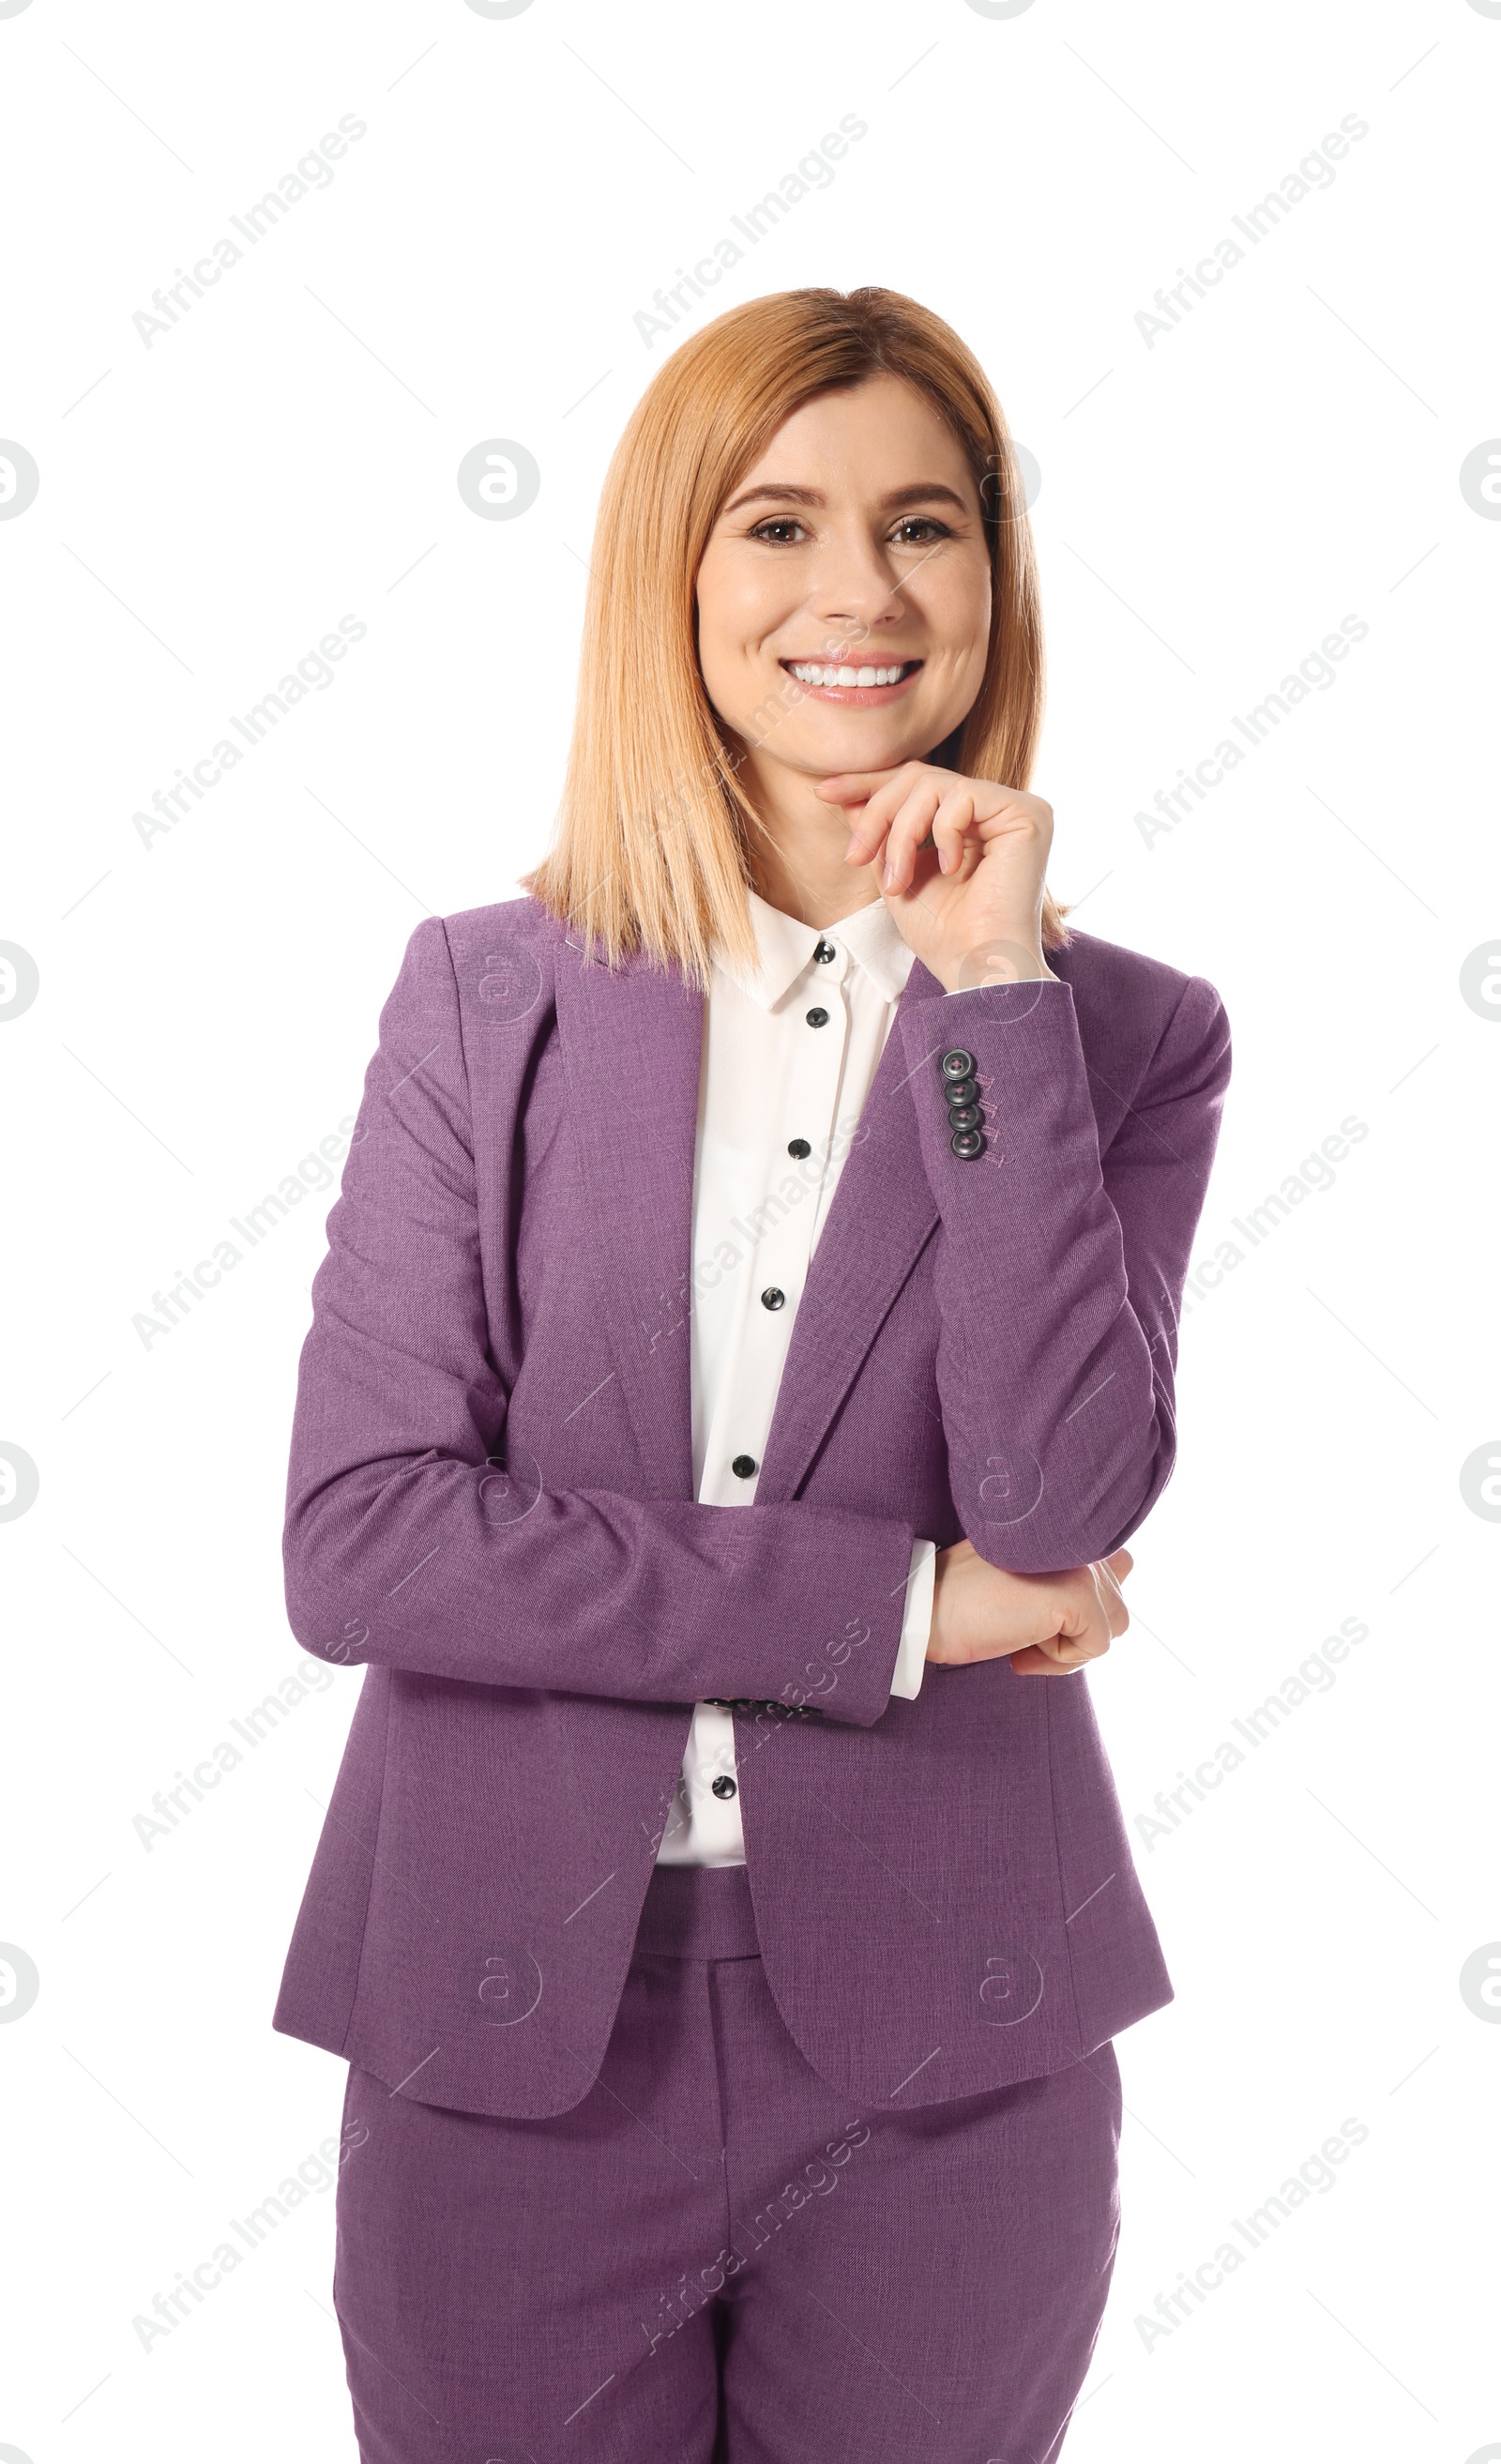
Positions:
{"x": 888, "y": 876}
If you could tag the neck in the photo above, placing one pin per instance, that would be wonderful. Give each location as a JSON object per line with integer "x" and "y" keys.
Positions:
{"x": 797, "y": 854}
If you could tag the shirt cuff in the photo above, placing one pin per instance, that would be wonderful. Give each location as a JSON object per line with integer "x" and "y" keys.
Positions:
{"x": 917, "y": 1623}
{"x": 954, "y": 990}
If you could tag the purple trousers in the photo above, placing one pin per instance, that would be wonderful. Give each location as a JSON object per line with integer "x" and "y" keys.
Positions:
{"x": 714, "y": 2258}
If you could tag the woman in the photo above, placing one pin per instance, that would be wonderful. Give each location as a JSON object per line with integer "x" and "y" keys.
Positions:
{"x": 746, "y": 1341}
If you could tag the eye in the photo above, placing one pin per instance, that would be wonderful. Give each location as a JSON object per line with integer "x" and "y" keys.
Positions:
{"x": 919, "y": 530}
{"x": 782, "y": 523}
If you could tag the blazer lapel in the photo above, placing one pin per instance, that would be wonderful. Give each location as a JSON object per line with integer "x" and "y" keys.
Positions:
{"x": 632, "y": 1041}
{"x": 881, "y": 1213}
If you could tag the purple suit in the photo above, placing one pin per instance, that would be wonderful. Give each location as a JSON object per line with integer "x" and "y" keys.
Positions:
{"x": 490, "y": 1503}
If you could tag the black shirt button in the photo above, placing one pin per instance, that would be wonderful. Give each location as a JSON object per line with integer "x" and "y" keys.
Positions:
{"x": 817, "y": 1018}
{"x": 799, "y": 1147}
{"x": 960, "y": 1091}
{"x": 773, "y": 1299}
{"x": 743, "y": 1467}
{"x": 966, "y": 1144}
{"x": 957, "y": 1064}
{"x": 723, "y": 1786}
{"x": 824, "y": 951}
{"x": 966, "y": 1116}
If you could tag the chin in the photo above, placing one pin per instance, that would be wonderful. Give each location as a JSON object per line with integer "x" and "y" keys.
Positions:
{"x": 853, "y": 747}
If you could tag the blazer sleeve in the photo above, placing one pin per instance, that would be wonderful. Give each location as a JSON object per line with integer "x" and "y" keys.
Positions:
{"x": 1060, "y": 1272}
{"x": 406, "y": 1542}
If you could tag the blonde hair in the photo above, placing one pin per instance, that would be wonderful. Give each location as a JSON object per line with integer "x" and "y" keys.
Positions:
{"x": 651, "y": 847}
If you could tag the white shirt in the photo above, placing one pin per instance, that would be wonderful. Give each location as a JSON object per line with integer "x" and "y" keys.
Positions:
{"x": 770, "y": 1080}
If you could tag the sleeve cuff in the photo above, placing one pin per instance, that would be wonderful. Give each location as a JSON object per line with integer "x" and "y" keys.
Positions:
{"x": 917, "y": 1622}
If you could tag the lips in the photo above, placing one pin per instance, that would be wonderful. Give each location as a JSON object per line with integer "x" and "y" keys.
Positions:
{"x": 859, "y": 685}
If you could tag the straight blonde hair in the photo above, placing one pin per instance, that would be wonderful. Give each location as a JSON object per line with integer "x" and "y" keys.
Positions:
{"x": 651, "y": 848}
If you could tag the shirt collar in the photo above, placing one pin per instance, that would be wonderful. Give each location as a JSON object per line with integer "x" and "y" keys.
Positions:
{"x": 786, "y": 948}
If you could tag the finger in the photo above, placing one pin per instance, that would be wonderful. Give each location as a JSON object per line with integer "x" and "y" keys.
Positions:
{"x": 870, "y": 826}
{"x": 870, "y": 811}
{"x": 910, "y": 824}
{"x": 858, "y": 791}
{"x": 1117, "y": 1564}
{"x": 1079, "y": 1609}
{"x": 1107, "y": 1592}
{"x": 1033, "y": 1662}
{"x": 950, "y": 824}
{"x": 851, "y": 786}
{"x": 869, "y": 823}
{"x": 1072, "y": 1650}
{"x": 1095, "y": 1636}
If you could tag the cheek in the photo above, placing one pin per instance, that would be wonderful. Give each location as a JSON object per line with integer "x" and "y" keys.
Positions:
{"x": 736, "y": 611}
{"x": 957, "y": 612}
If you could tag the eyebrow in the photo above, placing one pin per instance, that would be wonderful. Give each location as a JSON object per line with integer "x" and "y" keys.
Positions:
{"x": 925, "y": 491}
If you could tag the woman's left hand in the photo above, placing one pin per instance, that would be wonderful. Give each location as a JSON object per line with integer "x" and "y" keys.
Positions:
{"x": 962, "y": 863}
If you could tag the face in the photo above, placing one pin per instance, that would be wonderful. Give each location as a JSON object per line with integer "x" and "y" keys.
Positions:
{"x": 845, "y": 595}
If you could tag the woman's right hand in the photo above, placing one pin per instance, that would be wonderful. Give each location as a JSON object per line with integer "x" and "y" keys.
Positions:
{"x": 1046, "y": 1625}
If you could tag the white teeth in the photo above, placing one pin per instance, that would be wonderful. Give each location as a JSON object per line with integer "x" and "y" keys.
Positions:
{"x": 807, "y": 673}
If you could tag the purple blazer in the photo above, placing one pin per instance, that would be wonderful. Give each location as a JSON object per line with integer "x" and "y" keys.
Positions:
{"x": 491, "y": 1504}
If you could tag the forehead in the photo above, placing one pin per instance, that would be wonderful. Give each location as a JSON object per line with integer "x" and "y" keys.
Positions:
{"x": 865, "y": 439}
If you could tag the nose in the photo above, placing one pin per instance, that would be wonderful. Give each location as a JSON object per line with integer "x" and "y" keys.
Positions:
{"x": 855, "y": 589}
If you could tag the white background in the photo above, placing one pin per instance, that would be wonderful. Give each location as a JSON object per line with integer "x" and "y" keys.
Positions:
{"x": 1211, "y": 505}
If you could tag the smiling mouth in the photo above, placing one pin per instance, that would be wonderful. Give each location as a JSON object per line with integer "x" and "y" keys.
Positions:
{"x": 862, "y": 685}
